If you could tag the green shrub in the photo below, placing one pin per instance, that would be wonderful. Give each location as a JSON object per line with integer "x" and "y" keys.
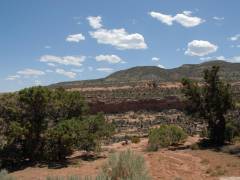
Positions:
{"x": 164, "y": 136}
{"x": 61, "y": 140}
{"x": 125, "y": 165}
{"x": 135, "y": 139}
{"x": 78, "y": 134}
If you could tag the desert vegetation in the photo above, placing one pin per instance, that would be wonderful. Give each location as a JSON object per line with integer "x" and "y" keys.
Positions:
{"x": 210, "y": 101}
{"x": 123, "y": 165}
{"x": 47, "y": 125}
{"x": 42, "y": 126}
{"x": 164, "y": 136}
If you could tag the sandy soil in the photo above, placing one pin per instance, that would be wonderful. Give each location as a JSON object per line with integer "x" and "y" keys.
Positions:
{"x": 177, "y": 164}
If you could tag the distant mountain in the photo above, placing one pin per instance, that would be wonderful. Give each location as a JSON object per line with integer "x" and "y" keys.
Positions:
{"x": 228, "y": 71}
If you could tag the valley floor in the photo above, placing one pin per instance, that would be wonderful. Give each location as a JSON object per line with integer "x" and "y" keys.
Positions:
{"x": 174, "y": 164}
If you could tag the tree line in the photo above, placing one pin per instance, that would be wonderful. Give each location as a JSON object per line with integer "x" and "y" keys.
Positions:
{"x": 40, "y": 124}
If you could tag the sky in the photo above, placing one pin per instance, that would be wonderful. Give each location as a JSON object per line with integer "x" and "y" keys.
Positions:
{"x": 48, "y": 41}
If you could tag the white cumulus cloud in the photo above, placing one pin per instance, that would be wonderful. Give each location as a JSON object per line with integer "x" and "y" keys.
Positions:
{"x": 95, "y": 22}
{"x": 75, "y": 38}
{"x": 188, "y": 13}
{"x": 69, "y": 74}
{"x": 31, "y": 72}
{"x": 155, "y": 59}
{"x": 164, "y": 18}
{"x": 119, "y": 38}
{"x": 113, "y": 59}
{"x": 106, "y": 70}
{"x": 185, "y": 18}
{"x": 188, "y": 21}
{"x": 161, "y": 66}
{"x": 65, "y": 60}
{"x": 200, "y": 48}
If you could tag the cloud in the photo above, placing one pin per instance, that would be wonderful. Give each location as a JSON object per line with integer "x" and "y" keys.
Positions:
{"x": 112, "y": 59}
{"x": 119, "y": 38}
{"x": 66, "y": 60}
{"x": 200, "y": 48}
{"x": 69, "y": 74}
{"x": 188, "y": 13}
{"x": 75, "y": 38}
{"x": 161, "y": 66}
{"x": 235, "y": 38}
{"x": 51, "y": 64}
{"x": 220, "y": 58}
{"x": 95, "y": 22}
{"x": 31, "y": 72}
{"x": 185, "y": 19}
{"x": 213, "y": 58}
{"x": 218, "y": 18}
{"x": 106, "y": 70}
{"x": 234, "y": 59}
{"x": 188, "y": 21}
{"x": 13, "y": 77}
{"x": 164, "y": 18}
{"x": 155, "y": 59}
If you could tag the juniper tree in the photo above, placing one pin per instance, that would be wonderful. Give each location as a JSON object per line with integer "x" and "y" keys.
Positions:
{"x": 210, "y": 101}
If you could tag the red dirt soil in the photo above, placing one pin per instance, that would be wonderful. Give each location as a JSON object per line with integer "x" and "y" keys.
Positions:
{"x": 185, "y": 164}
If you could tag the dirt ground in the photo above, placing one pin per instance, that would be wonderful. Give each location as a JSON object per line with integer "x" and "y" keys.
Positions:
{"x": 178, "y": 164}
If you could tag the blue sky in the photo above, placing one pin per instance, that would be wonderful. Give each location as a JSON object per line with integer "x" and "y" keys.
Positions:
{"x": 48, "y": 41}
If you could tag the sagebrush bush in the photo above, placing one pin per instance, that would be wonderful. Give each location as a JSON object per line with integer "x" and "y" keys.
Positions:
{"x": 125, "y": 165}
{"x": 165, "y": 136}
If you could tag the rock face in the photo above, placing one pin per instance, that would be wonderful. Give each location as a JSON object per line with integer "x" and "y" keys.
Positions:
{"x": 139, "y": 123}
{"x": 136, "y": 105}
